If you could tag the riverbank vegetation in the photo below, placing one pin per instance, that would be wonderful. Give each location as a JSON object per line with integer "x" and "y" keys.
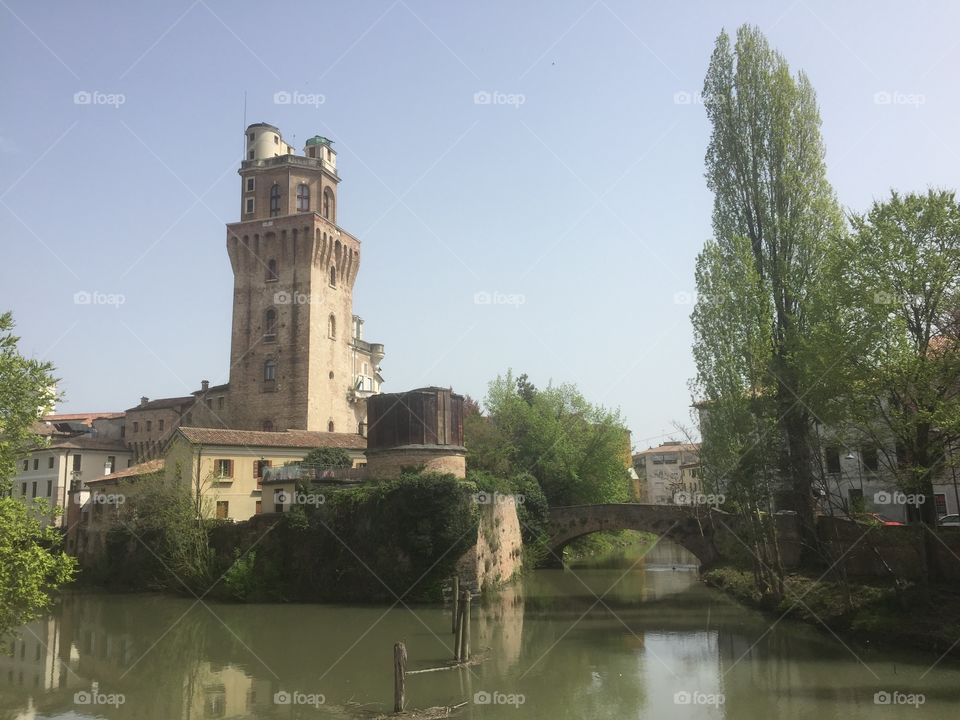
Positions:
{"x": 867, "y": 612}
{"x": 381, "y": 541}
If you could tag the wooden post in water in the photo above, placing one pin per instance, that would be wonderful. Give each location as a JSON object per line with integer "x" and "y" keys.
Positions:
{"x": 457, "y": 632}
{"x": 399, "y": 676}
{"x": 456, "y": 603}
{"x": 465, "y": 628}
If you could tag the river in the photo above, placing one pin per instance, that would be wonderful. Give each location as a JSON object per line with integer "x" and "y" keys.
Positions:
{"x": 616, "y": 637}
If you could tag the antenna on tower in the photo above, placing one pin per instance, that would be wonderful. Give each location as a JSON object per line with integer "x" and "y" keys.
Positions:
{"x": 243, "y": 145}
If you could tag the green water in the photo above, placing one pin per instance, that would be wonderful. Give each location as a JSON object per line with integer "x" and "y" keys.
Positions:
{"x": 612, "y": 638}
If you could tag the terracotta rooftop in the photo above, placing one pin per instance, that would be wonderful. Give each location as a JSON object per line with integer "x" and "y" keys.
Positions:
{"x": 287, "y": 439}
{"x": 670, "y": 448}
{"x": 161, "y": 403}
{"x": 85, "y": 418}
{"x": 144, "y": 468}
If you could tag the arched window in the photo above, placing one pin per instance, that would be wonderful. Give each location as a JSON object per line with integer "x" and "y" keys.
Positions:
{"x": 303, "y": 197}
{"x": 332, "y": 326}
{"x": 329, "y": 209}
{"x": 330, "y": 426}
{"x": 270, "y": 325}
{"x": 275, "y": 200}
{"x": 272, "y": 270}
{"x": 270, "y": 370}
{"x": 333, "y": 275}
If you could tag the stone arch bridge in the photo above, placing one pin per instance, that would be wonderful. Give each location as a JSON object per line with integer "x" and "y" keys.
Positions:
{"x": 677, "y": 523}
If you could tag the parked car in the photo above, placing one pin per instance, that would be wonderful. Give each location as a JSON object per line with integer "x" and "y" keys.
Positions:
{"x": 949, "y": 521}
{"x": 878, "y": 519}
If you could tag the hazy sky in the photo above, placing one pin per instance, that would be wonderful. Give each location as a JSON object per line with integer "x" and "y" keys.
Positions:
{"x": 577, "y": 189}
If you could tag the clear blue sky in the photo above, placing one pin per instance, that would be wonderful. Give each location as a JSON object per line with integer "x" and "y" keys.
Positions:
{"x": 587, "y": 199}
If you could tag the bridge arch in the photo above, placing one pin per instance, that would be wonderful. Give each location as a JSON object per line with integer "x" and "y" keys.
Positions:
{"x": 671, "y": 521}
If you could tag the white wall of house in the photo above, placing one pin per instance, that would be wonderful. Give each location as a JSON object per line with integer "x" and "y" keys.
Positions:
{"x": 47, "y": 473}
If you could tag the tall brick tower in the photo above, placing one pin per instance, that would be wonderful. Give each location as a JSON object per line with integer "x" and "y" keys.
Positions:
{"x": 297, "y": 357}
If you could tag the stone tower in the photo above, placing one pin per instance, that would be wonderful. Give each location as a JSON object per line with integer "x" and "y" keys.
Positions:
{"x": 297, "y": 357}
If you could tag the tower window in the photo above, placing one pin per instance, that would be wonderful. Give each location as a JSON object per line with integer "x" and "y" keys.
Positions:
{"x": 248, "y": 206}
{"x": 333, "y": 276}
{"x": 328, "y": 205}
{"x": 303, "y": 197}
{"x": 272, "y": 275}
{"x": 275, "y": 200}
{"x": 252, "y": 137}
{"x": 270, "y": 325}
{"x": 250, "y": 184}
{"x": 250, "y": 155}
{"x": 276, "y": 139}
{"x": 332, "y": 327}
{"x": 270, "y": 370}
{"x": 330, "y": 426}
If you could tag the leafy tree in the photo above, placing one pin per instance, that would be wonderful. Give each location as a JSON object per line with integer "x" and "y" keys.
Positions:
{"x": 26, "y": 394}
{"x": 765, "y": 166}
{"x": 901, "y": 275}
{"x": 328, "y": 457}
{"x": 32, "y": 565}
{"x": 578, "y": 452}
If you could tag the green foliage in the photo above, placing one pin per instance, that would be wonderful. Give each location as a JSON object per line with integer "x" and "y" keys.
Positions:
{"x": 32, "y": 565}
{"x": 26, "y": 394}
{"x": 532, "y": 507}
{"x": 775, "y": 223}
{"x": 896, "y": 281}
{"x": 380, "y": 541}
{"x": 578, "y": 452}
{"x": 328, "y": 457}
{"x": 158, "y": 540}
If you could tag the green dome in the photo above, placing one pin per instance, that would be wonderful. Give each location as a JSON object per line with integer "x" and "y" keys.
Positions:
{"x": 319, "y": 140}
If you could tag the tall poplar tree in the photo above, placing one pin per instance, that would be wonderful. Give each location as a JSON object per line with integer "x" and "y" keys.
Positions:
{"x": 765, "y": 165}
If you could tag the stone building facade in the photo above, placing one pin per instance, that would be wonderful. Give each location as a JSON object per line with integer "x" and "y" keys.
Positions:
{"x": 298, "y": 358}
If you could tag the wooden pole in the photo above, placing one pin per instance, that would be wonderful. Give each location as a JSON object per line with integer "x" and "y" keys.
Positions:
{"x": 456, "y": 603}
{"x": 464, "y": 650}
{"x": 465, "y": 646}
{"x": 399, "y": 673}
{"x": 457, "y": 632}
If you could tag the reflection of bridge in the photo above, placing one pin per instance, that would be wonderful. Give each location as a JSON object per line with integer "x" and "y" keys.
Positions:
{"x": 674, "y": 522}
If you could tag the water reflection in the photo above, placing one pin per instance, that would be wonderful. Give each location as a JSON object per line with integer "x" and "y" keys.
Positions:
{"x": 616, "y": 640}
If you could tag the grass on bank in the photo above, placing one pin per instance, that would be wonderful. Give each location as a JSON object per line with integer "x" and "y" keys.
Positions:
{"x": 928, "y": 619}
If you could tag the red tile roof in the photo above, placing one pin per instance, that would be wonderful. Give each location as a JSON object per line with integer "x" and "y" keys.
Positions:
{"x": 289, "y": 439}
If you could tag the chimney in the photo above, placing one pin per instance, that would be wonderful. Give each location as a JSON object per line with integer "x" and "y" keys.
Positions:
{"x": 204, "y": 385}
{"x": 144, "y": 400}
